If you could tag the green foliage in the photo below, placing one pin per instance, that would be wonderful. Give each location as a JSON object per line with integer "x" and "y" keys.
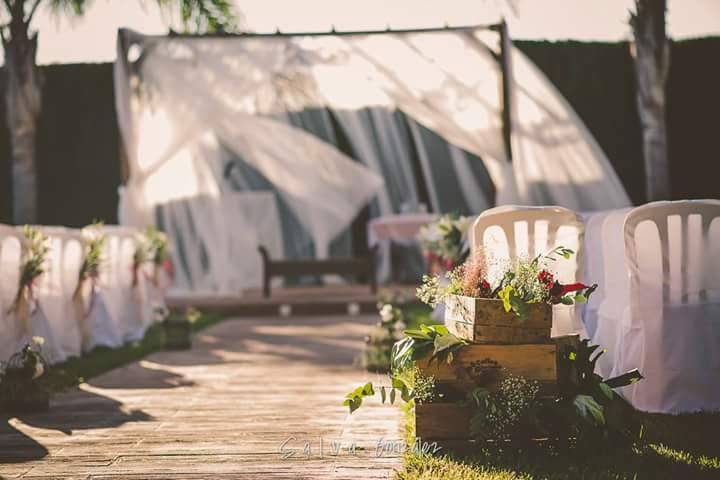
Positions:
{"x": 430, "y": 340}
{"x": 498, "y": 413}
{"x": 196, "y": 15}
{"x": 601, "y": 411}
{"x": 434, "y": 341}
{"x": 410, "y": 384}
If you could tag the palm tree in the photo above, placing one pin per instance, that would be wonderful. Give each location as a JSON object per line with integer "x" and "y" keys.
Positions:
{"x": 23, "y": 85}
{"x": 652, "y": 63}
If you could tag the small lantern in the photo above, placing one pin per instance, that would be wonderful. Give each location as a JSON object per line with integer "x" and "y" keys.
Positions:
{"x": 178, "y": 331}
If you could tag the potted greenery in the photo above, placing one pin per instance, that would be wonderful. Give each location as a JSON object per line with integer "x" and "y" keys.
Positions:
{"x": 20, "y": 389}
{"x": 515, "y": 309}
{"x": 178, "y": 327}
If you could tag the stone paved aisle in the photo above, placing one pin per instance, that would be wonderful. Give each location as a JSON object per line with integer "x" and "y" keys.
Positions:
{"x": 250, "y": 392}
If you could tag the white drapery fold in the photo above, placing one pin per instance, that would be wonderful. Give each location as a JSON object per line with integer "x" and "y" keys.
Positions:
{"x": 183, "y": 103}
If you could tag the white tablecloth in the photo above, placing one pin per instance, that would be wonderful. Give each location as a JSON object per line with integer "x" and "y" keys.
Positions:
{"x": 401, "y": 228}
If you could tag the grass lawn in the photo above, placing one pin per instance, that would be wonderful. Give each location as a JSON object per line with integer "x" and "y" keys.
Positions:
{"x": 102, "y": 359}
{"x": 677, "y": 447}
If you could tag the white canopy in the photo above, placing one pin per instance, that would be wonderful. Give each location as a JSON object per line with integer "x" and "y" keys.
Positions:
{"x": 190, "y": 108}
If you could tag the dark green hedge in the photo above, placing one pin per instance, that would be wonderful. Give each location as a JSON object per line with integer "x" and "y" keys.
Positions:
{"x": 79, "y": 166}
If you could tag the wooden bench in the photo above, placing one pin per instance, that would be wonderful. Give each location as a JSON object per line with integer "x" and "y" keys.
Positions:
{"x": 361, "y": 267}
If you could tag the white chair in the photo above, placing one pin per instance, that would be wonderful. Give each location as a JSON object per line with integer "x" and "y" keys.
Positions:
{"x": 131, "y": 305}
{"x": 18, "y": 332}
{"x": 511, "y": 231}
{"x": 54, "y": 291}
{"x": 672, "y": 326}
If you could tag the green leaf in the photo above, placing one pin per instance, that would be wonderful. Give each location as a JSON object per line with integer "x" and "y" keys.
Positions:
{"x": 392, "y": 396}
{"x": 580, "y": 298}
{"x": 443, "y": 342}
{"x": 504, "y": 295}
{"x": 520, "y": 307}
{"x": 606, "y": 390}
{"x": 566, "y": 300}
{"x": 383, "y": 395}
{"x": 572, "y": 356}
{"x": 419, "y": 334}
{"x": 589, "y": 409}
{"x": 405, "y": 394}
{"x": 440, "y": 329}
{"x": 368, "y": 390}
{"x": 625, "y": 379}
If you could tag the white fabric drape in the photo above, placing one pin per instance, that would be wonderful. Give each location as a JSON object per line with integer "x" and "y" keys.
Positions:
{"x": 183, "y": 100}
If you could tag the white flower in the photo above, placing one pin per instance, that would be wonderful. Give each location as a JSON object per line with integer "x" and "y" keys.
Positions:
{"x": 39, "y": 341}
{"x": 386, "y": 313}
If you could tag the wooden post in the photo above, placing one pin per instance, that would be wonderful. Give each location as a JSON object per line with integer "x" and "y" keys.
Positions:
{"x": 266, "y": 273}
{"x": 506, "y": 73}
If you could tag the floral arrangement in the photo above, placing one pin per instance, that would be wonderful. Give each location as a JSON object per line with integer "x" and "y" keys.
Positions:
{"x": 93, "y": 242}
{"x": 151, "y": 246}
{"x": 524, "y": 282}
{"x": 442, "y": 241}
{"x": 34, "y": 254}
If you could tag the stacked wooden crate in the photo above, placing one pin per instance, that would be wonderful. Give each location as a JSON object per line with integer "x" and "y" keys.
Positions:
{"x": 500, "y": 344}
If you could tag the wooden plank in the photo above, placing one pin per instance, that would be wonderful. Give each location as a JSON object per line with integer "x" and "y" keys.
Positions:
{"x": 482, "y": 320}
{"x": 475, "y": 364}
{"x": 442, "y": 421}
{"x": 220, "y": 410}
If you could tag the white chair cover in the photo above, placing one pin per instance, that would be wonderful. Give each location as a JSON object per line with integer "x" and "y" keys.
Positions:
{"x": 510, "y": 231}
{"x": 13, "y": 335}
{"x": 672, "y": 328}
{"x": 124, "y": 303}
{"x": 604, "y": 263}
{"x": 55, "y": 288}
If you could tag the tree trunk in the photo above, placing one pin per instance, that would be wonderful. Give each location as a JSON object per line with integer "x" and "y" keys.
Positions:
{"x": 652, "y": 63}
{"x": 22, "y": 103}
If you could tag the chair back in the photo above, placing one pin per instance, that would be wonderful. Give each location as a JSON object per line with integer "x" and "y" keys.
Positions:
{"x": 672, "y": 250}
{"x": 511, "y": 231}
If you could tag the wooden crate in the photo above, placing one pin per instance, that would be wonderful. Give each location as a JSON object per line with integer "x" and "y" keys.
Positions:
{"x": 442, "y": 421}
{"x": 532, "y": 361}
{"x": 484, "y": 320}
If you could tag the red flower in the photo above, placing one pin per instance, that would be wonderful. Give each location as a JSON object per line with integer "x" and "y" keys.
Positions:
{"x": 449, "y": 264}
{"x": 484, "y": 285}
{"x": 560, "y": 290}
{"x": 546, "y": 278}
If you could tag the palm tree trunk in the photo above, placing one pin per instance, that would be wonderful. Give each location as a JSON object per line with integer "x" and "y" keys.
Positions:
{"x": 652, "y": 63}
{"x": 23, "y": 103}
